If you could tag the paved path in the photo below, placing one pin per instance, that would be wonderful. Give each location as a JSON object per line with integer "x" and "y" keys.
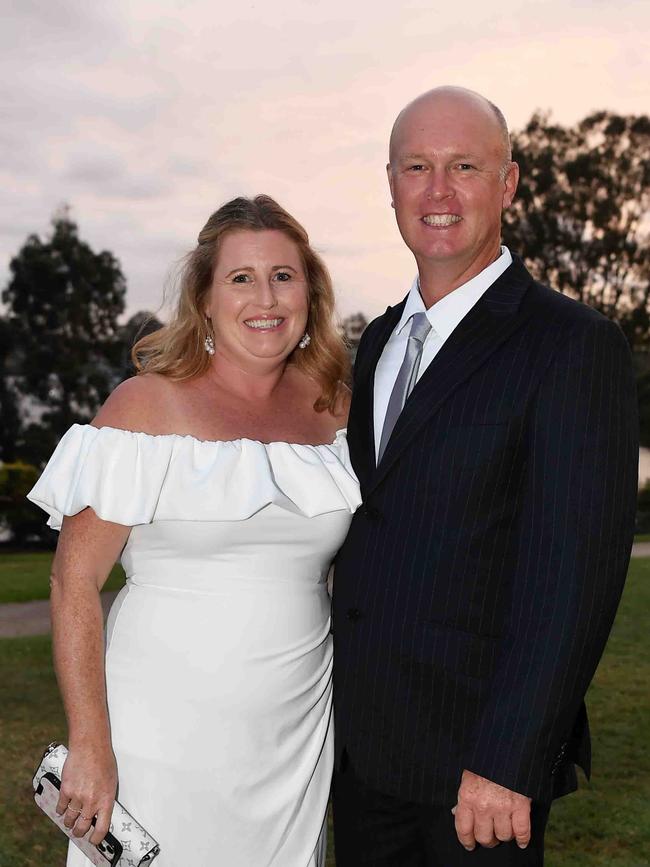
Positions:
{"x": 33, "y": 618}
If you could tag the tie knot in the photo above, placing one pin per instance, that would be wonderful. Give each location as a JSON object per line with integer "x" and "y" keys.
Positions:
{"x": 420, "y": 327}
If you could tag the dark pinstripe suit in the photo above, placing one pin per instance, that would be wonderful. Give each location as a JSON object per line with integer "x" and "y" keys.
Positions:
{"x": 477, "y": 586}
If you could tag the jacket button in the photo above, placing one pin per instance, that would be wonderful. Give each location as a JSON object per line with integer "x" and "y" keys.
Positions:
{"x": 353, "y": 614}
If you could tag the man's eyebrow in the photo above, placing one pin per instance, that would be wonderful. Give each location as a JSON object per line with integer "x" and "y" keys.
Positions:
{"x": 464, "y": 155}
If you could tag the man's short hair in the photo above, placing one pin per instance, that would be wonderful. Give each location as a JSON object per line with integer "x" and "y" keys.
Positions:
{"x": 503, "y": 126}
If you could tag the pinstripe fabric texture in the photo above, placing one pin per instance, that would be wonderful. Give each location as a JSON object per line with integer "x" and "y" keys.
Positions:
{"x": 477, "y": 586}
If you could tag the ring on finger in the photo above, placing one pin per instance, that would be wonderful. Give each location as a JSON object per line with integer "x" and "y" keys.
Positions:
{"x": 72, "y": 810}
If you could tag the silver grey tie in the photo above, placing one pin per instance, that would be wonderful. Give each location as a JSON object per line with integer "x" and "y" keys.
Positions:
{"x": 406, "y": 378}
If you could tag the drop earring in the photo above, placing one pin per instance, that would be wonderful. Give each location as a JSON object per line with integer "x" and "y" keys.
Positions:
{"x": 208, "y": 343}
{"x": 304, "y": 341}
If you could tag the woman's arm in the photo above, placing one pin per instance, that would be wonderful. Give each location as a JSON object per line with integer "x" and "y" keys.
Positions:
{"x": 88, "y": 547}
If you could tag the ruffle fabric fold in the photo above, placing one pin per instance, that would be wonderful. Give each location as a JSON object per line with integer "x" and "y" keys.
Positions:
{"x": 135, "y": 478}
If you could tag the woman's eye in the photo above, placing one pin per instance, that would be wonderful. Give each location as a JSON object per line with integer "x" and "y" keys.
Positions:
{"x": 240, "y": 278}
{"x": 283, "y": 276}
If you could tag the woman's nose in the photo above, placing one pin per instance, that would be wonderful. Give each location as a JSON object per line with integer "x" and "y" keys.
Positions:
{"x": 266, "y": 297}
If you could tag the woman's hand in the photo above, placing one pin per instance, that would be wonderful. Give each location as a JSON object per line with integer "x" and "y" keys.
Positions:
{"x": 88, "y": 787}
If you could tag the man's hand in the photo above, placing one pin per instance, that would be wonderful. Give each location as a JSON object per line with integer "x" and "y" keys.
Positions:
{"x": 489, "y": 814}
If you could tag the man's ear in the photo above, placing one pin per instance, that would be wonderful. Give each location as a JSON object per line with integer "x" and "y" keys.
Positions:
{"x": 389, "y": 172}
{"x": 511, "y": 180}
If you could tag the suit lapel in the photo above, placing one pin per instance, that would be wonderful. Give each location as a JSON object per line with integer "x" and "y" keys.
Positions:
{"x": 361, "y": 425}
{"x": 496, "y": 316}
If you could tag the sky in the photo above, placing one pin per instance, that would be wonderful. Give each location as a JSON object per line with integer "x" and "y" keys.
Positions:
{"x": 145, "y": 116}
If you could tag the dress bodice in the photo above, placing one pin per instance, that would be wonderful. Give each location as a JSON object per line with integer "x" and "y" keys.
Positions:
{"x": 237, "y": 509}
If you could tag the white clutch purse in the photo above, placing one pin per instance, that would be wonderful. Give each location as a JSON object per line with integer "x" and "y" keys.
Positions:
{"x": 126, "y": 844}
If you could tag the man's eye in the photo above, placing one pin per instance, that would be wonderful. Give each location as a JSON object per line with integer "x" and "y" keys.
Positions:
{"x": 465, "y": 167}
{"x": 418, "y": 167}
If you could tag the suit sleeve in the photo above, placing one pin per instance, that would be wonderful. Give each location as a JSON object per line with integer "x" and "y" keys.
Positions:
{"x": 572, "y": 548}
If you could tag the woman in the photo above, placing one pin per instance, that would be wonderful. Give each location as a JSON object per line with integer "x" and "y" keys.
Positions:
{"x": 221, "y": 474}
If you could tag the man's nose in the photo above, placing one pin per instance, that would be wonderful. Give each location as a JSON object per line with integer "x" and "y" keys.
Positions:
{"x": 439, "y": 186}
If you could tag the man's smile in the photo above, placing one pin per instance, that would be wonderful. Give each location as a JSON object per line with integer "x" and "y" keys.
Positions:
{"x": 441, "y": 220}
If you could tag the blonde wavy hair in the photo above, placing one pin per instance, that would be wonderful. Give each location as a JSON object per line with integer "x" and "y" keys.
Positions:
{"x": 177, "y": 349}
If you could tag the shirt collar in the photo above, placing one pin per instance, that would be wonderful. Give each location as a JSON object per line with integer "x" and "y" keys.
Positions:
{"x": 447, "y": 313}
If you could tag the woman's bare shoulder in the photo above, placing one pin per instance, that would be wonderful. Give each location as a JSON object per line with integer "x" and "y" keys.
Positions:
{"x": 144, "y": 403}
{"x": 337, "y": 414}
{"x": 342, "y": 406}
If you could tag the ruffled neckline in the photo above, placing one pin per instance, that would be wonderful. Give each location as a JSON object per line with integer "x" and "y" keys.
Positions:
{"x": 340, "y": 433}
{"x": 130, "y": 477}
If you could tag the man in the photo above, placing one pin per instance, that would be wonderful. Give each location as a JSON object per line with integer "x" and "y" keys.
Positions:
{"x": 493, "y": 429}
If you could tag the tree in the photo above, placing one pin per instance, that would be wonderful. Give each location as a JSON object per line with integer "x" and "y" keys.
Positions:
{"x": 643, "y": 388}
{"x": 9, "y": 399}
{"x": 139, "y": 325}
{"x": 63, "y": 302}
{"x": 352, "y": 327}
{"x": 581, "y": 218}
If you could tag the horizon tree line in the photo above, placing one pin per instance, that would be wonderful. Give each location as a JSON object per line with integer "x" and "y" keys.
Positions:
{"x": 580, "y": 220}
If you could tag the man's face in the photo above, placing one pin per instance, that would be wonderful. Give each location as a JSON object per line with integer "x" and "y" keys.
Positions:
{"x": 450, "y": 181}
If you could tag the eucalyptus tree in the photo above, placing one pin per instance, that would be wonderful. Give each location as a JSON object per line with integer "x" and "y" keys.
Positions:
{"x": 581, "y": 218}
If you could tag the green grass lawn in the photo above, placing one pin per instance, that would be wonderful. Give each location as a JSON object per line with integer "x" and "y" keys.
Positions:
{"x": 606, "y": 824}
{"x": 24, "y": 577}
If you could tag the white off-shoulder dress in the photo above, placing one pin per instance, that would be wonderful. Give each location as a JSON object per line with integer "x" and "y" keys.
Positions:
{"x": 219, "y": 657}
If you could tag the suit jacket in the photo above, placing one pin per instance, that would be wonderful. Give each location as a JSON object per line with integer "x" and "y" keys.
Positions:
{"x": 478, "y": 584}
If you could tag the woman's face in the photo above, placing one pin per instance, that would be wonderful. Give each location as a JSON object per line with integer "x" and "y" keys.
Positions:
{"x": 258, "y": 302}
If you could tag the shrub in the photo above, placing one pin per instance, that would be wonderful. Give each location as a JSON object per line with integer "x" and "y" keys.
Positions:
{"x": 22, "y": 519}
{"x": 643, "y": 509}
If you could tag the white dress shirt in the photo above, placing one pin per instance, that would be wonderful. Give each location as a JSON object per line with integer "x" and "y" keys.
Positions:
{"x": 444, "y": 316}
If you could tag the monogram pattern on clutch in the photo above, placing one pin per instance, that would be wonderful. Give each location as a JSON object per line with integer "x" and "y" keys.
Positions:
{"x": 125, "y": 837}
